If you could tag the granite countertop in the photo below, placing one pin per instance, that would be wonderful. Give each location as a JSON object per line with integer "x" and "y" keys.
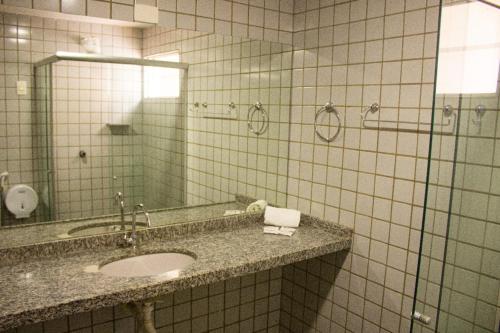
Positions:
{"x": 45, "y": 288}
{"x": 46, "y": 232}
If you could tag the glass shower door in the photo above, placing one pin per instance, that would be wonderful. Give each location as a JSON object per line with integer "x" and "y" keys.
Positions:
{"x": 42, "y": 143}
{"x": 459, "y": 264}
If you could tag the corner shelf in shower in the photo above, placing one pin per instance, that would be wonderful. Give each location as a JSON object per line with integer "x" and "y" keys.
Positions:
{"x": 120, "y": 129}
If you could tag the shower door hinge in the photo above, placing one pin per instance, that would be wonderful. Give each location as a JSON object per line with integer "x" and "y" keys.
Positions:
{"x": 421, "y": 318}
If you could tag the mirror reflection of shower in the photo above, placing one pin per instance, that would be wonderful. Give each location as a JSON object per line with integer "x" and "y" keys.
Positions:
{"x": 95, "y": 135}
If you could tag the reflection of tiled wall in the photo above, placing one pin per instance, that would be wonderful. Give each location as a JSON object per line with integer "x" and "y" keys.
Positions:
{"x": 244, "y": 304}
{"x": 270, "y": 20}
{"x": 354, "y": 53}
{"x": 224, "y": 158}
{"x": 164, "y": 147}
{"x": 26, "y": 40}
{"x": 470, "y": 298}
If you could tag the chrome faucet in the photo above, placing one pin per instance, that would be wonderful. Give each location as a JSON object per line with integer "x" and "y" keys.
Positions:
{"x": 119, "y": 200}
{"x": 131, "y": 239}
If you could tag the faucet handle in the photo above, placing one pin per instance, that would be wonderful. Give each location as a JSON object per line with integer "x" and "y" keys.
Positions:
{"x": 118, "y": 196}
{"x": 148, "y": 219}
{"x": 128, "y": 240}
{"x": 140, "y": 207}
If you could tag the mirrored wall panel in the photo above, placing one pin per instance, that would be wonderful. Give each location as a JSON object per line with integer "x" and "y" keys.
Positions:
{"x": 92, "y": 138}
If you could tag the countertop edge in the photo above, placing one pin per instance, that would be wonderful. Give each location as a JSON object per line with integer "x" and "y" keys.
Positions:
{"x": 75, "y": 245}
{"x": 156, "y": 289}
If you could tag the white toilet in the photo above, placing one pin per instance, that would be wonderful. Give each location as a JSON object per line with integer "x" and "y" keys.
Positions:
{"x": 21, "y": 200}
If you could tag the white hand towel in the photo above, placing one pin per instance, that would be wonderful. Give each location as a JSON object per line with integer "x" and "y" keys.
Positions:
{"x": 279, "y": 230}
{"x": 282, "y": 217}
{"x": 257, "y": 206}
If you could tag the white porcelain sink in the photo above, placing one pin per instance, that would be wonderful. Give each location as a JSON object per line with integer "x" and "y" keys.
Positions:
{"x": 166, "y": 265}
{"x": 102, "y": 228}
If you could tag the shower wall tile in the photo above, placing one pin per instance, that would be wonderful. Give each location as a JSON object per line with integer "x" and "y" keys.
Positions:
{"x": 87, "y": 96}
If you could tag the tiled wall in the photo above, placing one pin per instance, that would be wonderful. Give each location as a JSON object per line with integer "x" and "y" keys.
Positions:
{"x": 224, "y": 157}
{"x": 355, "y": 53}
{"x": 249, "y": 303}
{"x": 270, "y": 20}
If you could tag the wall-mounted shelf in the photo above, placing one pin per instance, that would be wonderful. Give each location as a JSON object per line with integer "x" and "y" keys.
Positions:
{"x": 120, "y": 129}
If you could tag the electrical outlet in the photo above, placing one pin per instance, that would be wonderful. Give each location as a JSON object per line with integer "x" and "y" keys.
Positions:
{"x": 21, "y": 88}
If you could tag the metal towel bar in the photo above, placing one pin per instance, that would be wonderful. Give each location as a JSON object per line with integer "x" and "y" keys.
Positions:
{"x": 448, "y": 113}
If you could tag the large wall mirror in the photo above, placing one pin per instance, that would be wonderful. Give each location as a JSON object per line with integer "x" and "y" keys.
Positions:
{"x": 197, "y": 119}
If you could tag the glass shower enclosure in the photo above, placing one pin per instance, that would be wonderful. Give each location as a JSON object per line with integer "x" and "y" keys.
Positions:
{"x": 96, "y": 133}
{"x": 457, "y": 286}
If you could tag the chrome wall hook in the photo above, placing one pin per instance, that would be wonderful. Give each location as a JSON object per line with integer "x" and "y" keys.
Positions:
{"x": 231, "y": 111}
{"x": 448, "y": 110}
{"x": 195, "y": 107}
{"x": 375, "y": 107}
{"x": 480, "y": 110}
{"x": 231, "y": 107}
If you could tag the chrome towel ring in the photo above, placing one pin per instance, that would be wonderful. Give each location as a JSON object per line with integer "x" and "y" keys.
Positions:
{"x": 328, "y": 108}
{"x": 263, "y": 124}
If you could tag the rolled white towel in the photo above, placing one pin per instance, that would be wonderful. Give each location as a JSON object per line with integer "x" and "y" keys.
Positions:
{"x": 257, "y": 206}
{"x": 282, "y": 217}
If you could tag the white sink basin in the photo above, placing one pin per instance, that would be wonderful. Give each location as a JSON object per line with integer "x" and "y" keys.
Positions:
{"x": 103, "y": 227}
{"x": 166, "y": 265}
